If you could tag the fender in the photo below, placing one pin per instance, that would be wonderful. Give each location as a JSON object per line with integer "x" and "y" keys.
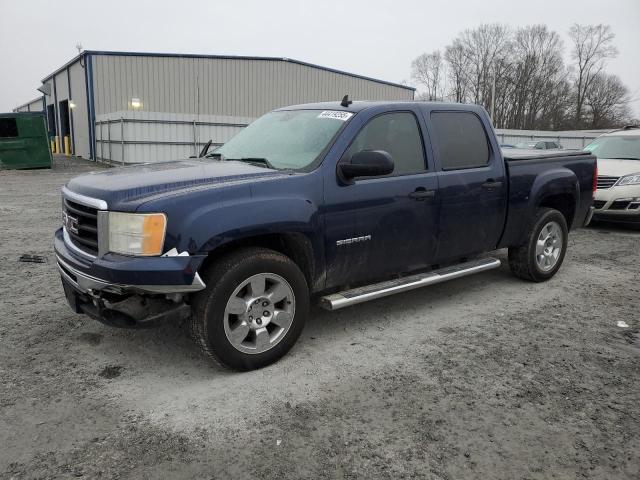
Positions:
{"x": 525, "y": 198}
{"x": 204, "y": 220}
{"x": 554, "y": 182}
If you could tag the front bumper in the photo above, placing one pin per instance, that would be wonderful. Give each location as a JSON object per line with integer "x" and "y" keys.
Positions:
{"x": 620, "y": 204}
{"x": 126, "y": 291}
{"x": 120, "y": 274}
{"x": 631, "y": 218}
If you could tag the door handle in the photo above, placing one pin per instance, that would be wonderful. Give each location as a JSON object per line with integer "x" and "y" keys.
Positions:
{"x": 421, "y": 194}
{"x": 491, "y": 183}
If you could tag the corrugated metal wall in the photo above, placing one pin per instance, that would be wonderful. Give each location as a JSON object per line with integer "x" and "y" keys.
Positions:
{"x": 80, "y": 112}
{"x": 34, "y": 105}
{"x": 573, "y": 139}
{"x": 79, "y": 116}
{"x": 220, "y": 95}
{"x": 234, "y": 87}
{"x": 148, "y": 136}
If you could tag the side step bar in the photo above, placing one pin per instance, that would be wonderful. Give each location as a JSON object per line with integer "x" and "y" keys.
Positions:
{"x": 384, "y": 289}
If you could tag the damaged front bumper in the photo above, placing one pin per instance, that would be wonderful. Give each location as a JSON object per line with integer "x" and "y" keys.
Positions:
{"x": 126, "y": 291}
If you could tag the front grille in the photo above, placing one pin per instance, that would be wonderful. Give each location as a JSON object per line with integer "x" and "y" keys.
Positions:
{"x": 86, "y": 238}
{"x": 598, "y": 204}
{"x": 606, "y": 182}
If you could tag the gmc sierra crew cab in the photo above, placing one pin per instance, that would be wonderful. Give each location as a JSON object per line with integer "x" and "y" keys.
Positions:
{"x": 340, "y": 202}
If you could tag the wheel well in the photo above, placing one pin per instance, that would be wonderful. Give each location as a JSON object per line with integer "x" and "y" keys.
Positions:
{"x": 296, "y": 246}
{"x": 565, "y": 203}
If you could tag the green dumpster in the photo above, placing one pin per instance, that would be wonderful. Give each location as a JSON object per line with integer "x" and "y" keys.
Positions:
{"x": 23, "y": 141}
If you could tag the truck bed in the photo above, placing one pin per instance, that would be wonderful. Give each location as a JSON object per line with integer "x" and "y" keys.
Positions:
{"x": 522, "y": 154}
{"x": 526, "y": 168}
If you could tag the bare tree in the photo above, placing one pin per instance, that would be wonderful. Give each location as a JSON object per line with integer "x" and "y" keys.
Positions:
{"x": 592, "y": 46}
{"x": 427, "y": 70}
{"x": 537, "y": 70}
{"x": 458, "y": 64}
{"x": 607, "y": 99}
{"x": 483, "y": 47}
{"x": 522, "y": 75}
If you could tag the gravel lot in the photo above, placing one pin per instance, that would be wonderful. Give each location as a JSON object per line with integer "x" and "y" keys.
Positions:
{"x": 485, "y": 377}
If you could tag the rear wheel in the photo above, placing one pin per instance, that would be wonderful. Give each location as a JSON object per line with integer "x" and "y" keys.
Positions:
{"x": 253, "y": 308}
{"x": 543, "y": 253}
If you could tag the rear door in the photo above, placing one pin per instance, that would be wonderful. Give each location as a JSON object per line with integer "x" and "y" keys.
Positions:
{"x": 472, "y": 184}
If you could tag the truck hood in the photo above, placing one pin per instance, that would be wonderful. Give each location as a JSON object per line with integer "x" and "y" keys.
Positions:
{"x": 612, "y": 167}
{"x": 135, "y": 183}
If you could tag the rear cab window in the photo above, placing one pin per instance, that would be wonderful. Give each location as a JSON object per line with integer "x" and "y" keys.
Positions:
{"x": 461, "y": 140}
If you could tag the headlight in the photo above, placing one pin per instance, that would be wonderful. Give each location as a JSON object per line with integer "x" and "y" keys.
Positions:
{"x": 629, "y": 180}
{"x": 136, "y": 233}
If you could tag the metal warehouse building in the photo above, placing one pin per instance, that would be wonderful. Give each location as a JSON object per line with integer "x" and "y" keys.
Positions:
{"x": 144, "y": 107}
{"x": 35, "y": 105}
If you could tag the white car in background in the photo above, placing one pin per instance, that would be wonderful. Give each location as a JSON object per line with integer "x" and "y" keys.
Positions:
{"x": 617, "y": 198}
{"x": 539, "y": 145}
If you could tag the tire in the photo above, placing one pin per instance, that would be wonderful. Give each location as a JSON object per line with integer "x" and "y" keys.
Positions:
{"x": 527, "y": 261}
{"x": 217, "y": 324}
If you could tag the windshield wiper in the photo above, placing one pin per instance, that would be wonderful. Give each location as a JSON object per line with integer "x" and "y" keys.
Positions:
{"x": 624, "y": 158}
{"x": 255, "y": 160}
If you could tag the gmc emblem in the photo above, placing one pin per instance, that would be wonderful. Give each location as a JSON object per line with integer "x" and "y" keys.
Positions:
{"x": 70, "y": 223}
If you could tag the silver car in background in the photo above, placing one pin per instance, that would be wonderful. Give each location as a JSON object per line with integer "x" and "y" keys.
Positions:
{"x": 617, "y": 198}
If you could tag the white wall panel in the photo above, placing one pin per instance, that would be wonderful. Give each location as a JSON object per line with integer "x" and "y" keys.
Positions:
{"x": 571, "y": 139}
{"x": 80, "y": 112}
{"x": 221, "y": 90}
{"x": 220, "y": 86}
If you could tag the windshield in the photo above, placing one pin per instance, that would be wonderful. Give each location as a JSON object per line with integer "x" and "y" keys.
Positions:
{"x": 622, "y": 147}
{"x": 292, "y": 139}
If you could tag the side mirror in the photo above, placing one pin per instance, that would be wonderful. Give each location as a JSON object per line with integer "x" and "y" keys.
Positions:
{"x": 367, "y": 163}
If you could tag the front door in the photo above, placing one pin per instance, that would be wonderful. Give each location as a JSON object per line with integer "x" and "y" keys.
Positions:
{"x": 383, "y": 225}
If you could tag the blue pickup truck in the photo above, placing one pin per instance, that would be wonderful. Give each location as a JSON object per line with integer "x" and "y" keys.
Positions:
{"x": 337, "y": 202}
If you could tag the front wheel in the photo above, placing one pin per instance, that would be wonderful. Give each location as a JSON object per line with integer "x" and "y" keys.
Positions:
{"x": 253, "y": 308}
{"x": 543, "y": 253}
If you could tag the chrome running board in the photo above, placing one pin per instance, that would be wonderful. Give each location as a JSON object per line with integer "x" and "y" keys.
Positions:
{"x": 384, "y": 289}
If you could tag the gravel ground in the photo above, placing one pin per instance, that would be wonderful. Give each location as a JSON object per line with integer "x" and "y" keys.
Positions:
{"x": 485, "y": 377}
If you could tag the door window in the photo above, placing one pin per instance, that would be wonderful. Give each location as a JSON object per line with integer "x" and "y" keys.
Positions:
{"x": 397, "y": 134}
{"x": 461, "y": 140}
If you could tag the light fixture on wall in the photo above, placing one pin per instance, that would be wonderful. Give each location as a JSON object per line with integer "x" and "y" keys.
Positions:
{"x": 72, "y": 104}
{"x": 136, "y": 103}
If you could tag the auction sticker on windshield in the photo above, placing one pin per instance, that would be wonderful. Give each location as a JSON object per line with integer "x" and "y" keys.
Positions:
{"x": 336, "y": 115}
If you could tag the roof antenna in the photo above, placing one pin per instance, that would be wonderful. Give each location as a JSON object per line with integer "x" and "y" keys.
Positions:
{"x": 345, "y": 101}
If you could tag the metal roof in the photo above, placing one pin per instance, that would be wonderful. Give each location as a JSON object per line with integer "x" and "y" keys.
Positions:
{"x": 220, "y": 57}
{"x": 30, "y": 102}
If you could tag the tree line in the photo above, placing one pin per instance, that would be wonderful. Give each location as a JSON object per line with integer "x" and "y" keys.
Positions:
{"x": 520, "y": 77}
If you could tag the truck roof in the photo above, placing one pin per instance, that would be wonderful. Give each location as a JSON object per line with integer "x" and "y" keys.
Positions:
{"x": 360, "y": 105}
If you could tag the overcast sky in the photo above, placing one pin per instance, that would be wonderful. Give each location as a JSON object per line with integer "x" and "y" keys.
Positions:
{"x": 374, "y": 38}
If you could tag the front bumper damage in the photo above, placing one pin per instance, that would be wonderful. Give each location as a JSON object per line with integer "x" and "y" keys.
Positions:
{"x": 130, "y": 292}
